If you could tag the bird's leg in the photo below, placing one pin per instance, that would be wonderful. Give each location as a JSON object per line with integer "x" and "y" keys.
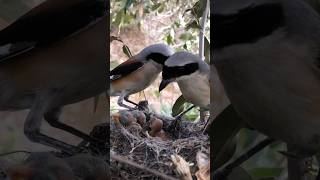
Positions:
{"x": 33, "y": 124}
{"x": 126, "y": 98}
{"x": 176, "y": 122}
{"x": 205, "y": 127}
{"x": 120, "y": 102}
{"x": 223, "y": 174}
{"x": 52, "y": 117}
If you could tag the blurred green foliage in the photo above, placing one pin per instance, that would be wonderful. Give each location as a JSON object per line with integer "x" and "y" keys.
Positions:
{"x": 132, "y": 14}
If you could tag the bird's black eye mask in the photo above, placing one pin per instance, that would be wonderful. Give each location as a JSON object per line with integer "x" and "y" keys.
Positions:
{"x": 178, "y": 71}
{"x": 246, "y": 26}
{"x": 157, "y": 57}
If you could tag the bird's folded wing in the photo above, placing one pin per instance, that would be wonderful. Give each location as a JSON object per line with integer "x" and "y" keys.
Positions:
{"x": 125, "y": 68}
{"x": 51, "y": 21}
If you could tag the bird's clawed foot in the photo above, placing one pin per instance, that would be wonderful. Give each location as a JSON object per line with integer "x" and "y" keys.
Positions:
{"x": 175, "y": 126}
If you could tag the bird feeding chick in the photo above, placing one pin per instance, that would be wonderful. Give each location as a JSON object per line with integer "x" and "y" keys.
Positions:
{"x": 192, "y": 75}
{"x": 138, "y": 72}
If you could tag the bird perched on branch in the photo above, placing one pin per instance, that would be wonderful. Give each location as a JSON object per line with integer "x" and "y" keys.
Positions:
{"x": 192, "y": 75}
{"x": 62, "y": 61}
{"x": 138, "y": 72}
{"x": 267, "y": 53}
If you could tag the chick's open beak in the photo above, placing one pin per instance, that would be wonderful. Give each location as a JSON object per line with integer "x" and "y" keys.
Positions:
{"x": 164, "y": 83}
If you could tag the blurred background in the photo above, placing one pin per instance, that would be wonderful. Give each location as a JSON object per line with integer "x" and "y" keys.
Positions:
{"x": 79, "y": 115}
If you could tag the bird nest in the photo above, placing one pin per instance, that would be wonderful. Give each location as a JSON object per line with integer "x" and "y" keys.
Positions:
{"x": 148, "y": 141}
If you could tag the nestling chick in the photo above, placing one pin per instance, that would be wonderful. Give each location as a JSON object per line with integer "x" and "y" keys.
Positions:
{"x": 156, "y": 131}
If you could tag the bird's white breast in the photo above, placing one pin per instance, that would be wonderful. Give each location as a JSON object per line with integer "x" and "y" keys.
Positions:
{"x": 196, "y": 89}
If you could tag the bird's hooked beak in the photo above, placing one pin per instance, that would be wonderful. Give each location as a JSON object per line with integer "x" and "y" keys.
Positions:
{"x": 164, "y": 83}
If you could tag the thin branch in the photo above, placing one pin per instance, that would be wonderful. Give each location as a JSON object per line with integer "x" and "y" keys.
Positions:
{"x": 244, "y": 157}
{"x": 202, "y": 29}
{"x": 201, "y": 43}
{"x": 133, "y": 164}
{"x": 14, "y": 152}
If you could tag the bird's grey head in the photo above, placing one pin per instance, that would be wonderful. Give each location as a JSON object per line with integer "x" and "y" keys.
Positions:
{"x": 245, "y": 21}
{"x": 181, "y": 65}
{"x": 158, "y": 53}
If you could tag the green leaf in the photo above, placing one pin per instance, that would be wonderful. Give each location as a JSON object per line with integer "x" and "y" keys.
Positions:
{"x": 126, "y": 51}
{"x": 156, "y": 6}
{"x": 186, "y": 36}
{"x": 258, "y": 173}
{"x": 177, "y": 24}
{"x": 222, "y": 134}
{"x": 161, "y": 8}
{"x": 200, "y": 8}
{"x": 226, "y": 152}
{"x": 115, "y": 38}
{"x": 118, "y": 19}
{"x": 178, "y": 106}
{"x": 193, "y": 25}
{"x": 169, "y": 39}
{"x": 239, "y": 174}
{"x": 185, "y": 46}
{"x": 128, "y": 4}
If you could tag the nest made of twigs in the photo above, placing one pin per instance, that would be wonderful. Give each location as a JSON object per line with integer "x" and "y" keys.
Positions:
{"x": 135, "y": 141}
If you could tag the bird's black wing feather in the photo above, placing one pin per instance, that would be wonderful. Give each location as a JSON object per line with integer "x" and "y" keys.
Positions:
{"x": 125, "y": 69}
